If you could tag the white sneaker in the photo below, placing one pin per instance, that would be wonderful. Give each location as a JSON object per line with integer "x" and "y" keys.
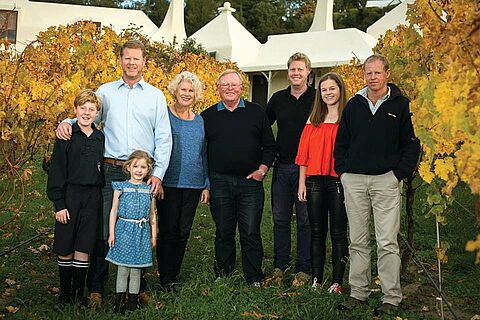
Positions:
{"x": 315, "y": 283}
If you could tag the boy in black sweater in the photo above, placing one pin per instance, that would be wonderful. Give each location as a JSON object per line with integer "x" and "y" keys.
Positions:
{"x": 74, "y": 187}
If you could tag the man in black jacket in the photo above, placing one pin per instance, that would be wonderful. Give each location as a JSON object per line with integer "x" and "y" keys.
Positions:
{"x": 375, "y": 150}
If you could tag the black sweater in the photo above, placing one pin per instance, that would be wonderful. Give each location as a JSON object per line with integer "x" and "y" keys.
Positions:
{"x": 238, "y": 142}
{"x": 375, "y": 144}
{"x": 291, "y": 115}
{"x": 77, "y": 161}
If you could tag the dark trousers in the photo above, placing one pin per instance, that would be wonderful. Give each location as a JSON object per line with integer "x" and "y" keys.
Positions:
{"x": 236, "y": 200}
{"x": 175, "y": 218}
{"x": 284, "y": 197}
{"x": 325, "y": 199}
{"x": 98, "y": 270}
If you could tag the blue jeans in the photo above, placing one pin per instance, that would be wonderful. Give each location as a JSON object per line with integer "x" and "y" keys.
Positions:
{"x": 237, "y": 201}
{"x": 284, "y": 197}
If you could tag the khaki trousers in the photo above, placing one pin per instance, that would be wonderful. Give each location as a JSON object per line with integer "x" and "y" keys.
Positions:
{"x": 382, "y": 194}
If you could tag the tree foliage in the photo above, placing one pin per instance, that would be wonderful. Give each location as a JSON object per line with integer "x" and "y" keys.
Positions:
{"x": 37, "y": 88}
{"x": 436, "y": 61}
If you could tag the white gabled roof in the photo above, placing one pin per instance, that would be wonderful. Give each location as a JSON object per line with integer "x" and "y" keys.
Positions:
{"x": 324, "y": 48}
{"x": 34, "y": 17}
{"x": 390, "y": 20}
{"x": 228, "y": 38}
{"x": 173, "y": 25}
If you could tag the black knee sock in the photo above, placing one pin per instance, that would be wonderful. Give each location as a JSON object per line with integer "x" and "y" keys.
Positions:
{"x": 65, "y": 269}
{"x": 79, "y": 274}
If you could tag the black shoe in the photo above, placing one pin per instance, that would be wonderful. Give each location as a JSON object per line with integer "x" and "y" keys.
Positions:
{"x": 132, "y": 303}
{"x": 120, "y": 302}
{"x": 63, "y": 300}
{"x": 170, "y": 287}
{"x": 385, "y": 309}
{"x": 350, "y": 303}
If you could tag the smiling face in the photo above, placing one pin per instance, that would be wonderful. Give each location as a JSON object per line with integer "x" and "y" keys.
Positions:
{"x": 85, "y": 114}
{"x": 330, "y": 92}
{"x": 376, "y": 76}
{"x": 230, "y": 88}
{"x": 132, "y": 62}
{"x": 185, "y": 94}
{"x": 138, "y": 170}
{"x": 298, "y": 73}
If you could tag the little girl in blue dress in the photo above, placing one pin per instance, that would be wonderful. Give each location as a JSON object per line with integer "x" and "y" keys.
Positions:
{"x": 133, "y": 229}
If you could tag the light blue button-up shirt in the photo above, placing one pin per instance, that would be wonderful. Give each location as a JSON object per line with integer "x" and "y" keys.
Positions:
{"x": 135, "y": 119}
{"x": 374, "y": 107}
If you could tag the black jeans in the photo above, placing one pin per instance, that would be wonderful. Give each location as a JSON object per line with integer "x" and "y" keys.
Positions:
{"x": 284, "y": 197}
{"x": 325, "y": 198}
{"x": 236, "y": 200}
{"x": 175, "y": 218}
{"x": 98, "y": 270}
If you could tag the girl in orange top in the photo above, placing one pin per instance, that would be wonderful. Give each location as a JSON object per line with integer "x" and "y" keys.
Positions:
{"x": 319, "y": 185}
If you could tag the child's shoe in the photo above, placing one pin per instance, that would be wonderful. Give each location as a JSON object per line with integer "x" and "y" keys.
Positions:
{"x": 132, "y": 303}
{"x": 63, "y": 300}
{"x": 120, "y": 302}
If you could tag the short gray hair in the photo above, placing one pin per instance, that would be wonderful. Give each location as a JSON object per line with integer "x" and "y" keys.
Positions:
{"x": 186, "y": 76}
{"x": 229, "y": 71}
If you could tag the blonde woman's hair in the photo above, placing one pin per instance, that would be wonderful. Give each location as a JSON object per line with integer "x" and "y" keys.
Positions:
{"x": 137, "y": 155}
{"x": 87, "y": 95}
{"x": 188, "y": 77}
{"x": 320, "y": 109}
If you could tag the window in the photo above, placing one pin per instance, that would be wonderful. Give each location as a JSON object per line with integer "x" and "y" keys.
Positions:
{"x": 8, "y": 26}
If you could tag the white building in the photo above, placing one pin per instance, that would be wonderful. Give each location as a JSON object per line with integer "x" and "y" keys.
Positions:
{"x": 266, "y": 64}
{"x": 22, "y": 20}
{"x": 390, "y": 20}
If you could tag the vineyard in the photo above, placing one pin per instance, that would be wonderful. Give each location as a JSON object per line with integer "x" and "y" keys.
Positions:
{"x": 436, "y": 62}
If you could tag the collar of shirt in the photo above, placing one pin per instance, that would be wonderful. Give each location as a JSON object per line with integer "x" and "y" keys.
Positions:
{"x": 76, "y": 128}
{"x": 221, "y": 105}
{"x": 374, "y": 107}
{"x": 140, "y": 84}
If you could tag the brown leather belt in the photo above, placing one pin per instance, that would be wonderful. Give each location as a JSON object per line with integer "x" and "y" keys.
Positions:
{"x": 115, "y": 162}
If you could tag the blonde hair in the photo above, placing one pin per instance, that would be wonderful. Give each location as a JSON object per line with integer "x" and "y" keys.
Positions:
{"x": 300, "y": 57}
{"x": 377, "y": 57}
{"x": 137, "y": 155}
{"x": 320, "y": 109}
{"x": 87, "y": 95}
{"x": 188, "y": 77}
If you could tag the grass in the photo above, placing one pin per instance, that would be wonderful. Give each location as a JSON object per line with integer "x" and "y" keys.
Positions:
{"x": 28, "y": 276}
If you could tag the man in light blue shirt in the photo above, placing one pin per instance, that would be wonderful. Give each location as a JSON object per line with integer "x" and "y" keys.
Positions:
{"x": 133, "y": 116}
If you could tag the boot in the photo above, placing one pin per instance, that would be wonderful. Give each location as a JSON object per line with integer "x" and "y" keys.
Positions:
{"x": 132, "y": 303}
{"x": 120, "y": 302}
{"x": 79, "y": 298}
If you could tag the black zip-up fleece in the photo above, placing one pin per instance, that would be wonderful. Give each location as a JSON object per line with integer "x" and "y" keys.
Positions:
{"x": 375, "y": 144}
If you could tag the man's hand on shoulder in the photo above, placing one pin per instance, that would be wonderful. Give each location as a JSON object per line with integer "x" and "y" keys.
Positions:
{"x": 64, "y": 131}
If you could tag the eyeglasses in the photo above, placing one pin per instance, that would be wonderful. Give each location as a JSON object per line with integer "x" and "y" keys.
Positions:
{"x": 228, "y": 85}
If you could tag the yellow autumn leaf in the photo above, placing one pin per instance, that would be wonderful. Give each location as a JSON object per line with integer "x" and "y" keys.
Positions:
{"x": 12, "y": 309}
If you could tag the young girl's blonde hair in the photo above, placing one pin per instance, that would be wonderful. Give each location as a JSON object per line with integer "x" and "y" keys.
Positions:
{"x": 137, "y": 155}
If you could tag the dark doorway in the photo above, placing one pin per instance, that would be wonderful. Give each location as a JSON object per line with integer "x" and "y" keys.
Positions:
{"x": 259, "y": 89}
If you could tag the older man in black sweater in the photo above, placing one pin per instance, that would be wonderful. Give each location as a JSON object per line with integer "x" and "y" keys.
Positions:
{"x": 240, "y": 148}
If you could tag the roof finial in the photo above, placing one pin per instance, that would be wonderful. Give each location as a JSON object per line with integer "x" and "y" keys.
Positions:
{"x": 227, "y": 7}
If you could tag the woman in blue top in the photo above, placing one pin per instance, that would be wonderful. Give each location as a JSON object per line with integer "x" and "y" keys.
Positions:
{"x": 186, "y": 180}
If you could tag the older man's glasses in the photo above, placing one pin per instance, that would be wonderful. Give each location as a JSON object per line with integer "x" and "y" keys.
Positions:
{"x": 229, "y": 85}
